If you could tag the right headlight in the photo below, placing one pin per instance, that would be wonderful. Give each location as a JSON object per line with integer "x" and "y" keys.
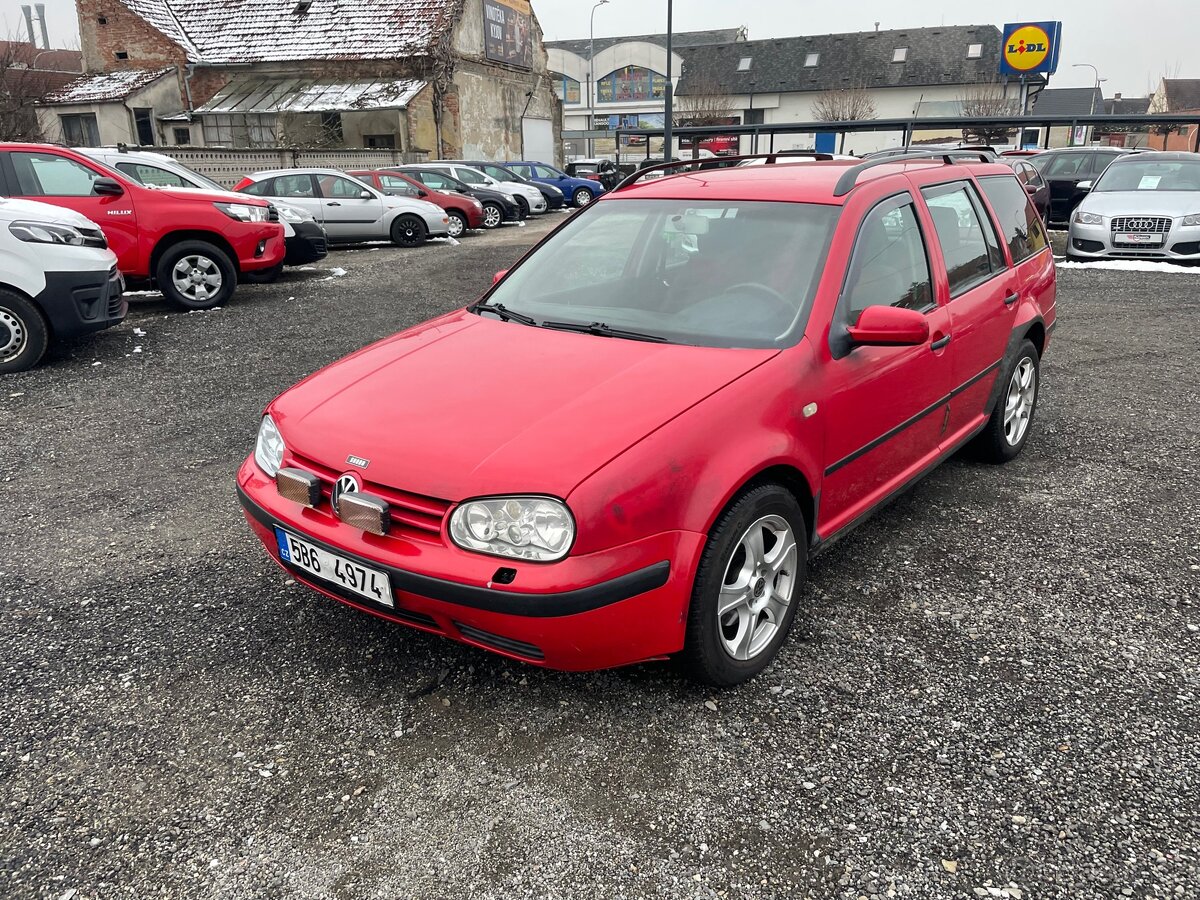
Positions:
{"x": 268, "y": 449}
{"x": 1087, "y": 218}
{"x": 45, "y": 233}
{"x": 1191, "y": 220}
{"x": 540, "y": 529}
{"x": 292, "y": 214}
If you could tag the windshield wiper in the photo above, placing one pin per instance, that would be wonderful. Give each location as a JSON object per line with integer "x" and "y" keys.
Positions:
{"x": 505, "y": 314}
{"x": 602, "y": 330}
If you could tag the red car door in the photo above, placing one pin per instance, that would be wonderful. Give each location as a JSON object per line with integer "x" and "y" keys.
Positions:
{"x": 52, "y": 177}
{"x": 885, "y": 405}
{"x": 983, "y": 294}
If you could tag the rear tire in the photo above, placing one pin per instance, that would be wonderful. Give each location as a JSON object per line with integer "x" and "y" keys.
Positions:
{"x": 408, "y": 231}
{"x": 458, "y": 223}
{"x": 758, "y": 582}
{"x": 195, "y": 275}
{"x": 1008, "y": 429}
{"x": 24, "y": 334}
{"x": 493, "y": 215}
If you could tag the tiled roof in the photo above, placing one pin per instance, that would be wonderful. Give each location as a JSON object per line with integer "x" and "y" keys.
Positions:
{"x": 679, "y": 40}
{"x": 237, "y": 31}
{"x": 26, "y": 55}
{"x": 1069, "y": 102}
{"x": 1182, "y": 93}
{"x": 1127, "y": 106}
{"x": 860, "y": 59}
{"x": 257, "y": 94}
{"x": 105, "y": 87}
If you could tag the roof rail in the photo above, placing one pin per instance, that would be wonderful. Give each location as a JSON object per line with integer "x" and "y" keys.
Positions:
{"x": 723, "y": 162}
{"x": 850, "y": 177}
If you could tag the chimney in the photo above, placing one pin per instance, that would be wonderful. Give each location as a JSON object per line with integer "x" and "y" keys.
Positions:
{"x": 41, "y": 11}
{"x": 29, "y": 24}
{"x": 1117, "y": 96}
{"x": 876, "y": 26}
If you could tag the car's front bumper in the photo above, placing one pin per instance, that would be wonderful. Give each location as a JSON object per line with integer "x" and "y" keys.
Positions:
{"x": 306, "y": 245}
{"x": 76, "y": 303}
{"x": 622, "y": 606}
{"x": 1180, "y": 243}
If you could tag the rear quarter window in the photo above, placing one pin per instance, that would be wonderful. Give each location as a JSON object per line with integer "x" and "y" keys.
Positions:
{"x": 1020, "y": 225}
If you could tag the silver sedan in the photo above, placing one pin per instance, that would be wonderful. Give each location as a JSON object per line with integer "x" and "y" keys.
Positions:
{"x": 1144, "y": 206}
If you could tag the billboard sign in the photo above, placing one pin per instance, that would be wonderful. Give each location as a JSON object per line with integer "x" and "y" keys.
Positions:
{"x": 1030, "y": 48}
{"x": 508, "y": 32}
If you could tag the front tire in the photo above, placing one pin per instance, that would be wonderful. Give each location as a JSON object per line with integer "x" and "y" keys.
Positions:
{"x": 458, "y": 223}
{"x": 408, "y": 231}
{"x": 582, "y": 197}
{"x": 493, "y": 215}
{"x": 747, "y": 588}
{"x": 1008, "y": 429}
{"x": 195, "y": 275}
{"x": 522, "y": 206}
{"x": 24, "y": 334}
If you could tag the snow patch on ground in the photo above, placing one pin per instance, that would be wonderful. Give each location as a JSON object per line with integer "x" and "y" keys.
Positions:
{"x": 1132, "y": 265}
{"x": 337, "y": 272}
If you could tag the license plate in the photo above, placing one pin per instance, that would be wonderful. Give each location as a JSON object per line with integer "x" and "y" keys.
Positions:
{"x": 357, "y": 579}
{"x": 1140, "y": 238}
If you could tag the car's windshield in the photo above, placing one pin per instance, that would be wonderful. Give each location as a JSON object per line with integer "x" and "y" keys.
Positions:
{"x": 1148, "y": 174}
{"x": 710, "y": 273}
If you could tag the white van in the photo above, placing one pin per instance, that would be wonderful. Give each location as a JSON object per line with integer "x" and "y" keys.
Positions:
{"x": 58, "y": 279}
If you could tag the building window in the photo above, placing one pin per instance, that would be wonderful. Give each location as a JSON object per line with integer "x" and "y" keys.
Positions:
{"x": 811, "y": 60}
{"x": 254, "y": 130}
{"x": 744, "y": 63}
{"x": 121, "y": 54}
{"x": 566, "y": 88}
{"x": 102, "y": 20}
{"x": 974, "y": 51}
{"x": 900, "y": 54}
{"x": 80, "y": 130}
{"x": 183, "y": 136}
{"x": 331, "y": 129}
{"x": 754, "y": 116}
{"x": 143, "y": 122}
{"x": 631, "y": 83}
{"x": 380, "y": 141}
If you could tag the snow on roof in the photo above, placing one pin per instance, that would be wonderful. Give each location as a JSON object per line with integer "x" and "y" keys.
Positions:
{"x": 237, "y": 31}
{"x": 258, "y": 94}
{"x": 106, "y": 86}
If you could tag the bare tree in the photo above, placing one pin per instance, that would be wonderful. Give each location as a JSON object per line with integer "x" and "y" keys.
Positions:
{"x": 843, "y": 105}
{"x": 706, "y": 103}
{"x": 987, "y": 101}
{"x": 20, "y": 88}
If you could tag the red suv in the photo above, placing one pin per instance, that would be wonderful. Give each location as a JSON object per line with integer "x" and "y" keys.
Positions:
{"x": 633, "y": 444}
{"x": 463, "y": 212}
{"x": 192, "y": 244}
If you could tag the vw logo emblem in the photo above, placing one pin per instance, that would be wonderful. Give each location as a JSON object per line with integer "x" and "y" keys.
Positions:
{"x": 348, "y": 483}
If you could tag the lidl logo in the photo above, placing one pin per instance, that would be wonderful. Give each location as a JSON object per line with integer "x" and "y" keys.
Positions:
{"x": 1030, "y": 47}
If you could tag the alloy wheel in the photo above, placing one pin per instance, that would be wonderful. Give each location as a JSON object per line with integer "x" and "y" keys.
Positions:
{"x": 491, "y": 216}
{"x": 757, "y": 588}
{"x": 12, "y": 336}
{"x": 1019, "y": 400}
{"x": 197, "y": 277}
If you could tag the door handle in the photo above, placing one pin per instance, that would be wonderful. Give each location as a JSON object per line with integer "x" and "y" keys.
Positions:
{"x": 1012, "y": 298}
{"x": 940, "y": 342}
{"x": 333, "y": 203}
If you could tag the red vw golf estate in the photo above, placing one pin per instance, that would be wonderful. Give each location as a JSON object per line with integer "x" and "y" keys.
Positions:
{"x": 632, "y": 445}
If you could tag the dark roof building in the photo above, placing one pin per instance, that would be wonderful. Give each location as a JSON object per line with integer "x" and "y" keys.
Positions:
{"x": 1177, "y": 94}
{"x": 1126, "y": 106}
{"x": 1083, "y": 101}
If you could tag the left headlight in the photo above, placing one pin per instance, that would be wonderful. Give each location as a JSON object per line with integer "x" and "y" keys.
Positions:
{"x": 244, "y": 212}
{"x": 45, "y": 233}
{"x": 294, "y": 215}
{"x": 1192, "y": 220}
{"x": 534, "y": 528}
{"x": 1087, "y": 218}
{"x": 268, "y": 449}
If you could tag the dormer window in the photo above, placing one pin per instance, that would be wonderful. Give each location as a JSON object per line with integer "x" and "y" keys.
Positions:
{"x": 744, "y": 63}
{"x": 811, "y": 60}
{"x": 900, "y": 54}
{"x": 302, "y": 7}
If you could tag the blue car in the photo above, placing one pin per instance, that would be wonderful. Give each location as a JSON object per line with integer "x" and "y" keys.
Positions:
{"x": 578, "y": 191}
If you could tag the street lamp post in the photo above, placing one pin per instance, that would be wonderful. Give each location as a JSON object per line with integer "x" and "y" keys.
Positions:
{"x": 1095, "y": 88}
{"x": 591, "y": 79}
{"x": 669, "y": 96}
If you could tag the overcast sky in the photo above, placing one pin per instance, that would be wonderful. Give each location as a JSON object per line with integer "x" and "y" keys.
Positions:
{"x": 1131, "y": 43}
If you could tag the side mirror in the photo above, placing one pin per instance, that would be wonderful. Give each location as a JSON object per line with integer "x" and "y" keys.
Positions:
{"x": 421, "y": 193}
{"x": 107, "y": 187}
{"x": 496, "y": 278}
{"x": 1084, "y": 186}
{"x": 366, "y": 195}
{"x": 889, "y": 326}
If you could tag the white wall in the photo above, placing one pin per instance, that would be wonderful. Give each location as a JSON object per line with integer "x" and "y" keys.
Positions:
{"x": 114, "y": 120}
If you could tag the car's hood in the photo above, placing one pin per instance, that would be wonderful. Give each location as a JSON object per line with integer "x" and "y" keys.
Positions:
{"x": 465, "y": 406}
{"x": 210, "y": 196}
{"x": 33, "y": 211}
{"x": 1142, "y": 203}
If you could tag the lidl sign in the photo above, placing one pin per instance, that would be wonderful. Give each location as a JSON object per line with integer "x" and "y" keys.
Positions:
{"x": 1030, "y": 48}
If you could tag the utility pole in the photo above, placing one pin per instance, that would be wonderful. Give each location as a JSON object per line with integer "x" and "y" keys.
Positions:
{"x": 591, "y": 80}
{"x": 669, "y": 96}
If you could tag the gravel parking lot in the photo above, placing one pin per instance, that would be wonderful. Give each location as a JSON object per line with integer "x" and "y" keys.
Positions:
{"x": 993, "y": 690}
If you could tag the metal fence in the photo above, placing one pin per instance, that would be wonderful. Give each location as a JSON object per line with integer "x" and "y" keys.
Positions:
{"x": 227, "y": 167}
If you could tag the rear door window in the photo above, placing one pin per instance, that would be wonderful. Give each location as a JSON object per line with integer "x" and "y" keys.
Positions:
{"x": 1021, "y": 225}
{"x": 969, "y": 250}
{"x": 890, "y": 265}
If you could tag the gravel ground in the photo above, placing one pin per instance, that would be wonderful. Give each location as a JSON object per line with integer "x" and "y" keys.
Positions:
{"x": 992, "y": 690}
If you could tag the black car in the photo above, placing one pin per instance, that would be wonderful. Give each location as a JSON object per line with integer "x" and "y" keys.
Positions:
{"x": 498, "y": 207}
{"x": 1066, "y": 168}
{"x": 1031, "y": 179}
{"x": 554, "y": 197}
{"x": 604, "y": 171}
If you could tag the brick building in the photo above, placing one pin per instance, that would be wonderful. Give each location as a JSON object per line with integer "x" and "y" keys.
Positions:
{"x": 27, "y": 74}
{"x": 428, "y": 77}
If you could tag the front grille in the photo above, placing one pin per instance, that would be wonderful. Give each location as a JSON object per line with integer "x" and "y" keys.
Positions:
{"x": 413, "y": 515}
{"x": 1141, "y": 224}
{"x": 319, "y": 245}
{"x": 499, "y": 642}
